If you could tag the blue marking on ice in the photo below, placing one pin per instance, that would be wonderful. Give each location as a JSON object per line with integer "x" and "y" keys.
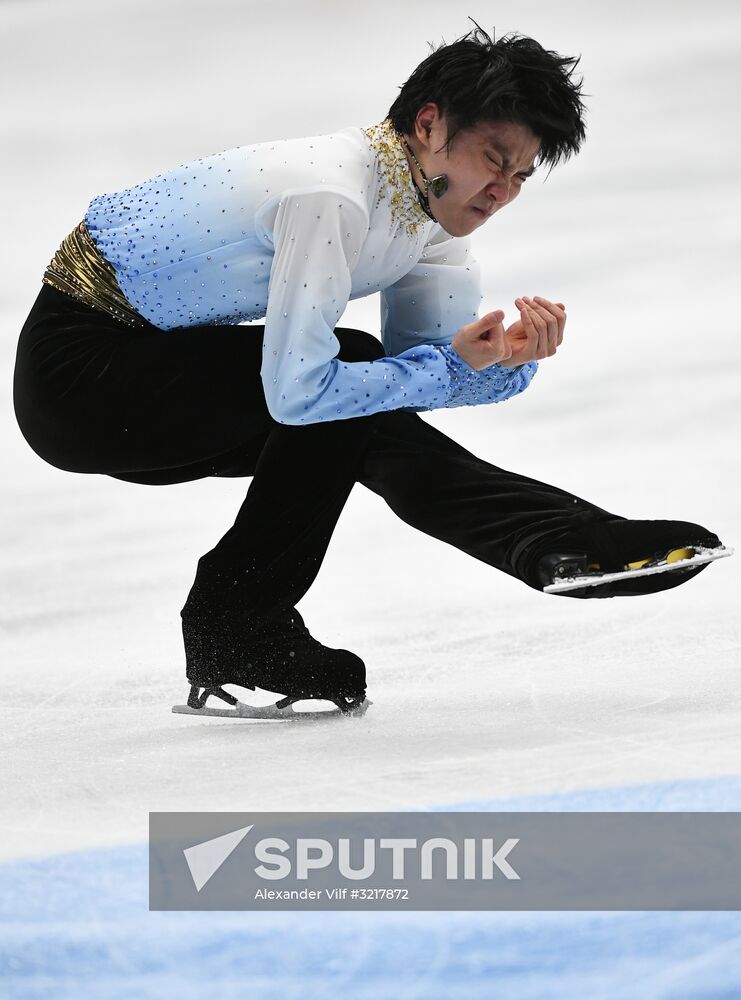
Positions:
{"x": 696, "y": 795}
{"x": 78, "y": 925}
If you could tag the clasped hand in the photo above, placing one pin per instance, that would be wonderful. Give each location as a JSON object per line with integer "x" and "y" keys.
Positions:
{"x": 535, "y": 335}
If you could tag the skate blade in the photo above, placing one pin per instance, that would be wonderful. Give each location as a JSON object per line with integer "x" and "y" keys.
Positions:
{"x": 271, "y": 712}
{"x": 700, "y": 557}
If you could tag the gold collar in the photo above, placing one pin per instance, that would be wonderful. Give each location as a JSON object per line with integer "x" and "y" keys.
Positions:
{"x": 396, "y": 182}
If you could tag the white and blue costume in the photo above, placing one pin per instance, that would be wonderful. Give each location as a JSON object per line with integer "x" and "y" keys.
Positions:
{"x": 291, "y": 231}
{"x": 132, "y": 364}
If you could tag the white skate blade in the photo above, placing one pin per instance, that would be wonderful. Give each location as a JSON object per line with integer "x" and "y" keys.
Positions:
{"x": 700, "y": 557}
{"x": 271, "y": 712}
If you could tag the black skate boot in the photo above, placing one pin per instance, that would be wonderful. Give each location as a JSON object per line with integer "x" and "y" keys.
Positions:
{"x": 621, "y": 558}
{"x": 277, "y": 655}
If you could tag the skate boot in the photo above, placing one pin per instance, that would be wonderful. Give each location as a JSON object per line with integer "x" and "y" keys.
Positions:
{"x": 277, "y": 655}
{"x": 626, "y": 558}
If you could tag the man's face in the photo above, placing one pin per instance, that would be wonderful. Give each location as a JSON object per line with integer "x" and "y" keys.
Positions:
{"x": 486, "y": 167}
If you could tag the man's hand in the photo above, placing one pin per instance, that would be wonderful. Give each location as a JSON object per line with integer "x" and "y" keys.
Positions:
{"x": 482, "y": 343}
{"x": 538, "y": 332}
{"x": 536, "y": 335}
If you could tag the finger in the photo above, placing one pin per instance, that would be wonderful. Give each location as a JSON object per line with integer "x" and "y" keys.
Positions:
{"x": 501, "y": 347}
{"x": 491, "y": 319}
{"x": 488, "y": 346}
{"x": 556, "y": 320}
{"x": 557, "y": 309}
{"x": 550, "y": 340}
{"x": 504, "y": 346}
{"x": 561, "y": 325}
{"x": 548, "y": 331}
{"x": 540, "y": 319}
{"x": 531, "y": 350}
{"x": 475, "y": 330}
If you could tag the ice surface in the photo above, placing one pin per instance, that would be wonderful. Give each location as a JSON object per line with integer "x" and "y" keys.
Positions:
{"x": 482, "y": 689}
{"x": 74, "y": 921}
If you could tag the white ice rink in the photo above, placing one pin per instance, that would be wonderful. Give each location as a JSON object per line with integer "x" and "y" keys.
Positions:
{"x": 484, "y": 691}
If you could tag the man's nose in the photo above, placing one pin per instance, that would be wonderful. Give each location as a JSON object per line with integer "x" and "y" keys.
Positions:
{"x": 499, "y": 190}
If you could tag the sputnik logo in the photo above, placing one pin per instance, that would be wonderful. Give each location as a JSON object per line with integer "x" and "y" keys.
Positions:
{"x": 205, "y": 859}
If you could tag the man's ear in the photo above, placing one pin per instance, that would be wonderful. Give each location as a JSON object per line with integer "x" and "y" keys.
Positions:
{"x": 425, "y": 116}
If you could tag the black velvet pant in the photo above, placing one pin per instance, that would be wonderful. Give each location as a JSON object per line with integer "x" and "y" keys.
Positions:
{"x": 154, "y": 407}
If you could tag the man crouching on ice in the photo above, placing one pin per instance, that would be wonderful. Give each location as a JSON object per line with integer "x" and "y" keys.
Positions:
{"x": 132, "y": 362}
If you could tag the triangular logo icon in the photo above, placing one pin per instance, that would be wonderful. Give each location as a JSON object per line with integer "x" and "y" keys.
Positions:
{"x": 206, "y": 858}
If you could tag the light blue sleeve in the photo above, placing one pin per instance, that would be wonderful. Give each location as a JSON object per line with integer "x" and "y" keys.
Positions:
{"x": 317, "y": 234}
{"x": 491, "y": 385}
{"x": 440, "y": 294}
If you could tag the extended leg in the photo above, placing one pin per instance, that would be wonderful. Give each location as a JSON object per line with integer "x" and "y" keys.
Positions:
{"x": 504, "y": 519}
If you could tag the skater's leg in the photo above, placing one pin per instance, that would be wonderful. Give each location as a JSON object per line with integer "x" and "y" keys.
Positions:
{"x": 504, "y": 519}
{"x": 141, "y": 404}
{"x": 270, "y": 557}
{"x": 94, "y": 396}
{"x": 158, "y": 407}
{"x": 240, "y": 620}
{"x": 434, "y": 484}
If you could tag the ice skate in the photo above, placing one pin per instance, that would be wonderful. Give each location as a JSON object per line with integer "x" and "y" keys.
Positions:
{"x": 278, "y": 656}
{"x": 280, "y": 710}
{"x": 564, "y": 572}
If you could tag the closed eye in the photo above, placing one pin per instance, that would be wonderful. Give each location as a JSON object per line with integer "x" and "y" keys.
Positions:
{"x": 519, "y": 177}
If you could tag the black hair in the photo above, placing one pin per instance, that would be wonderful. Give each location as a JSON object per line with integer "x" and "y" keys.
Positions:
{"x": 476, "y": 79}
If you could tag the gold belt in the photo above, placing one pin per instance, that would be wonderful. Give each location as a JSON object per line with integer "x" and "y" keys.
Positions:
{"x": 79, "y": 269}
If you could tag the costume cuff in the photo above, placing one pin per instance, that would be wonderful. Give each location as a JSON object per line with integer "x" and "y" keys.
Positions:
{"x": 469, "y": 387}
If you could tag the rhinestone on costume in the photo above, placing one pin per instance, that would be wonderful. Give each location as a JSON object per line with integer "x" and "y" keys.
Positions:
{"x": 395, "y": 178}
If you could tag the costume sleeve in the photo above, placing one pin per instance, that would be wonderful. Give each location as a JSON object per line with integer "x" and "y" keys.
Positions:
{"x": 440, "y": 294}
{"x": 317, "y": 235}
